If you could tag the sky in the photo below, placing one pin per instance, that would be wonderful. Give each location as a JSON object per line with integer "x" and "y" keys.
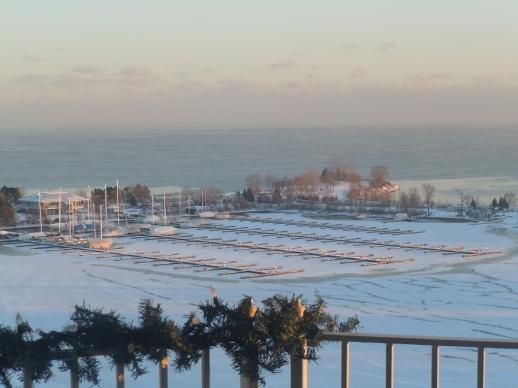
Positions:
{"x": 271, "y": 63}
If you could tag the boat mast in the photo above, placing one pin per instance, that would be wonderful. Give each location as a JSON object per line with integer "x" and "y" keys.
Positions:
{"x": 95, "y": 229}
{"x": 39, "y": 206}
{"x": 118, "y": 210}
{"x": 180, "y": 203}
{"x": 101, "y": 220}
{"x": 89, "y": 196}
{"x": 59, "y": 212}
{"x": 165, "y": 212}
{"x": 152, "y": 209}
{"x": 70, "y": 227}
{"x": 106, "y": 202}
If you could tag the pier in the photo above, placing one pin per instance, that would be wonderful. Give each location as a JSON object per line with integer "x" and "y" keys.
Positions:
{"x": 389, "y": 244}
{"x": 329, "y": 225}
{"x": 249, "y": 271}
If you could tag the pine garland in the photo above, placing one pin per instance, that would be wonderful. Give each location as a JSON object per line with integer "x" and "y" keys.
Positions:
{"x": 255, "y": 339}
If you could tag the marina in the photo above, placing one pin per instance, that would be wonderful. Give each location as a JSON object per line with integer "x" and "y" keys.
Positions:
{"x": 424, "y": 247}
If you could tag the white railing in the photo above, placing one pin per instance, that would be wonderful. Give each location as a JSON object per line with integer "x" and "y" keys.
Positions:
{"x": 299, "y": 367}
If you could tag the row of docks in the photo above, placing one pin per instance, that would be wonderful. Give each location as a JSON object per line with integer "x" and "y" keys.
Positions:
{"x": 329, "y": 225}
{"x": 325, "y": 255}
{"x": 327, "y": 238}
{"x": 156, "y": 259}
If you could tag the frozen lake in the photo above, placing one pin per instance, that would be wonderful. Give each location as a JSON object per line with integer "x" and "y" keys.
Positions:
{"x": 436, "y": 294}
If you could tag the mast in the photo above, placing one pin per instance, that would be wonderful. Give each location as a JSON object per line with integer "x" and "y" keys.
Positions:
{"x": 101, "y": 220}
{"x": 59, "y": 212}
{"x": 165, "y": 212}
{"x": 39, "y": 206}
{"x": 89, "y": 196}
{"x": 95, "y": 229}
{"x": 180, "y": 203}
{"x": 152, "y": 209}
{"x": 118, "y": 210}
{"x": 106, "y": 202}
{"x": 70, "y": 227}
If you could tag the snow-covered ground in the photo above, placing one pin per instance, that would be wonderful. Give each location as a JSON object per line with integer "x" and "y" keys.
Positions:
{"x": 434, "y": 295}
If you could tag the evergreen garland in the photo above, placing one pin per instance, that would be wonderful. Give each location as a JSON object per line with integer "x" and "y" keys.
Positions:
{"x": 256, "y": 339}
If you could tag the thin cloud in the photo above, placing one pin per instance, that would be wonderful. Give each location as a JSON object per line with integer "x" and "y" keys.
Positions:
{"x": 387, "y": 46}
{"x": 88, "y": 70}
{"x": 282, "y": 65}
{"x": 349, "y": 47}
{"x": 31, "y": 58}
{"x": 135, "y": 71}
{"x": 32, "y": 79}
{"x": 484, "y": 80}
{"x": 429, "y": 79}
{"x": 291, "y": 85}
{"x": 358, "y": 73}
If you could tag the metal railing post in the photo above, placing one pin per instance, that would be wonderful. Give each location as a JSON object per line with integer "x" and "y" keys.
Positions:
{"x": 74, "y": 378}
{"x": 246, "y": 383}
{"x": 27, "y": 377}
{"x": 481, "y": 367}
{"x": 345, "y": 364}
{"x": 162, "y": 374}
{"x": 119, "y": 376}
{"x": 389, "y": 366}
{"x": 435, "y": 366}
{"x": 205, "y": 369}
{"x": 299, "y": 371}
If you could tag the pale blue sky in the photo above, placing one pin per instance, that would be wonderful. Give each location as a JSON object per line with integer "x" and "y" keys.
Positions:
{"x": 250, "y": 63}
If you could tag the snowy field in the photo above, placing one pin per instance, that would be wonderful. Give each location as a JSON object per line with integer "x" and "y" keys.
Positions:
{"x": 435, "y": 294}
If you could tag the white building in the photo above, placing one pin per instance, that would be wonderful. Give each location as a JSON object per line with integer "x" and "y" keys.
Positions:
{"x": 50, "y": 203}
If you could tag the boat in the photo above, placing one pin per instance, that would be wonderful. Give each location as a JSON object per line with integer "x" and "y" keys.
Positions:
{"x": 100, "y": 243}
{"x": 165, "y": 230}
{"x": 207, "y": 214}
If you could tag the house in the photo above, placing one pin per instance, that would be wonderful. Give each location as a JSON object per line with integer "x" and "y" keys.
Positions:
{"x": 50, "y": 203}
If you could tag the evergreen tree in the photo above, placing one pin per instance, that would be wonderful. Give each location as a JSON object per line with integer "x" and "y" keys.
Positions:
{"x": 473, "y": 204}
{"x": 249, "y": 195}
{"x": 276, "y": 196}
{"x": 502, "y": 203}
{"x": 494, "y": 203}
{"x": 12, "y": 194}
{"x": 7, "y": 214}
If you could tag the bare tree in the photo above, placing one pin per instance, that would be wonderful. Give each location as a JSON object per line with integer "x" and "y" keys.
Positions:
{"x": 510, "y": 198}
{"x": 270, "y": 181}
{"x": 253, "y": 181}
{"x": 414, "y": 199}
{"x": 212, "y": 195}
{"x": 307, "y": 180}
{"x": 428, "y": 193}
{"x": 403, "y": 201}
{"x": 379, "y": 175}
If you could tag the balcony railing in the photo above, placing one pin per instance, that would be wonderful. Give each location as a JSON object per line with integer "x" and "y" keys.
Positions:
{"x": 299, "y": 367}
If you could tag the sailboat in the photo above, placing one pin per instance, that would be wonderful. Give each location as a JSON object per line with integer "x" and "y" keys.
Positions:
{"x": 111, "y": 229}
{"x": 205, "y": 213}
{"x": 100, "y": 243}
{"x": 41, "y": 233}
{"x": 165, "y": 230}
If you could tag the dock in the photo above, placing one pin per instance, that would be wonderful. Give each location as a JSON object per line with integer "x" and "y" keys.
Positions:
{"x": 389, "y": 244}
{"x": 328, "y": 225}
{"x": 248, "y": 271}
